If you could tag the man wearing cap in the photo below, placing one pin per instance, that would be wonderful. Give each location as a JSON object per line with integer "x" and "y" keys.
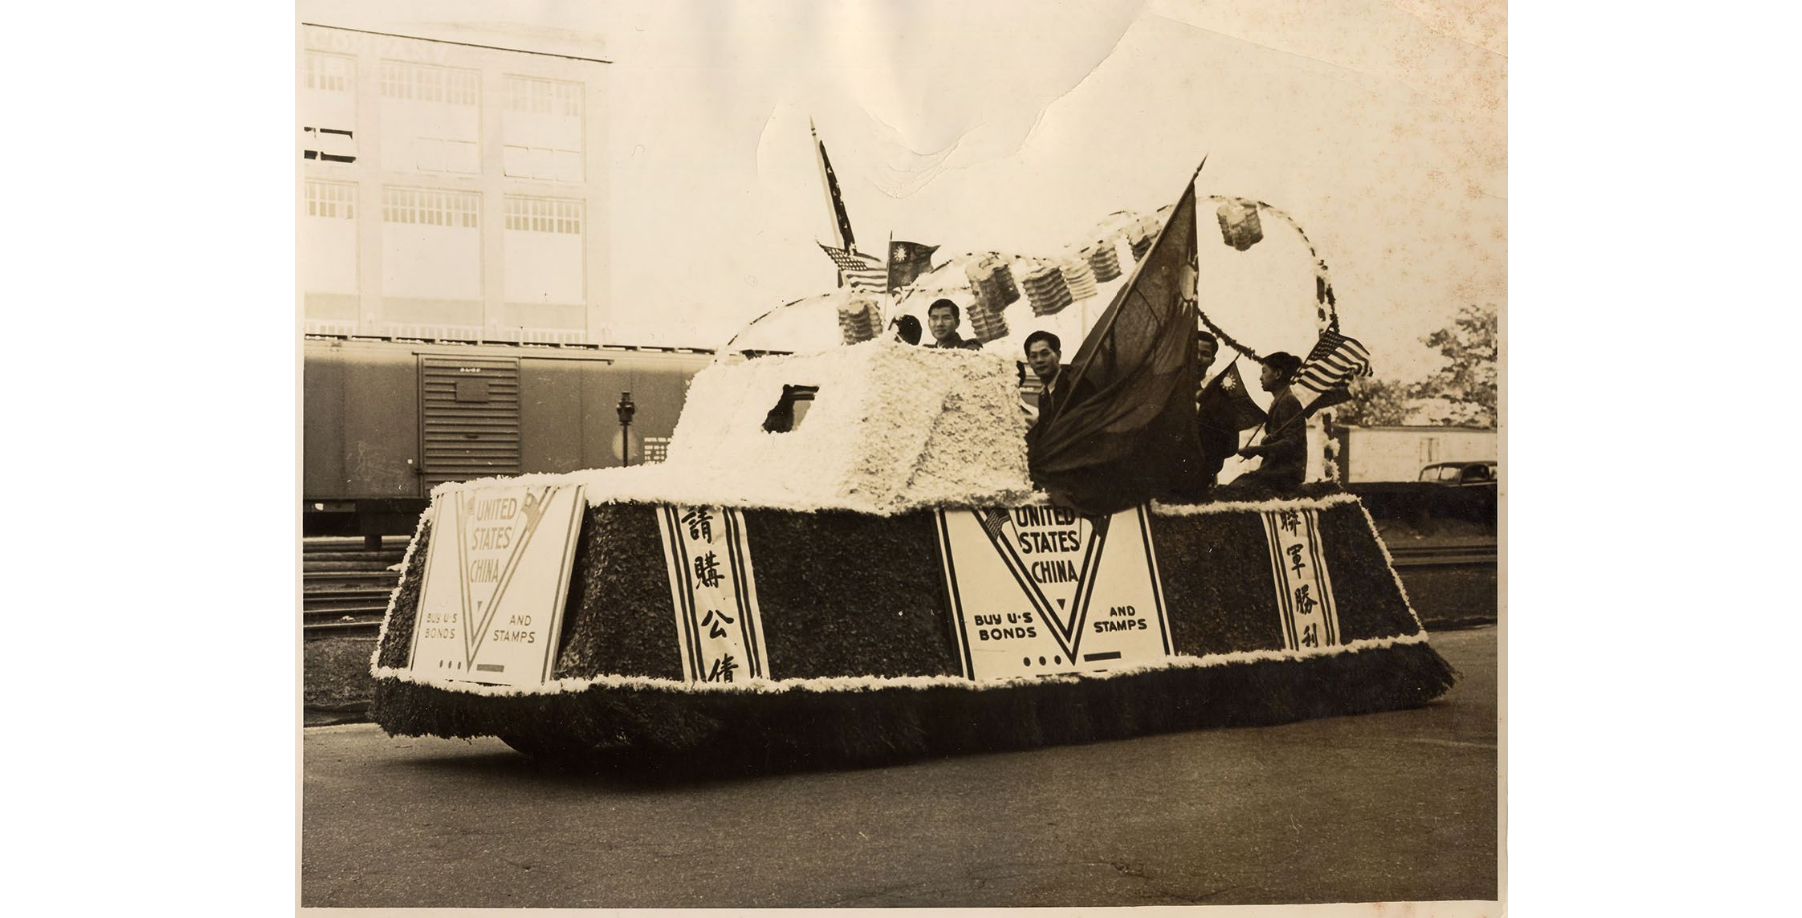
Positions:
{"x": 942, "y": 317}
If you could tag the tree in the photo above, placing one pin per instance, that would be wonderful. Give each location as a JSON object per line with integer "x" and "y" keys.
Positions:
{"x": 1375, "y": 403}
{"x": 1467, "y": 379}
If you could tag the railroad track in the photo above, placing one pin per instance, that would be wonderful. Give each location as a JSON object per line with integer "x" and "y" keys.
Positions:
{"x": 345, "y": 587}
{"x": 1453, "y": 554}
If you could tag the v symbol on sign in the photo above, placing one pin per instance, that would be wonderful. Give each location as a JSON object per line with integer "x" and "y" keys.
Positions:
{"x": 534, "y": 513}
{"x": 1065, "y": 622}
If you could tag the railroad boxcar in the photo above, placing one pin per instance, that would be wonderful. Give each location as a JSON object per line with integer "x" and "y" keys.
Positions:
{"x": 385, "y": 420}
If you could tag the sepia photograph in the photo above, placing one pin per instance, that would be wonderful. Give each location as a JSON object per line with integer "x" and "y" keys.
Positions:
{"x": 902, "y": 454}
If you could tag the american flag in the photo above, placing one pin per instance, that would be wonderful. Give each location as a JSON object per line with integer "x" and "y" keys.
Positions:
{"x": 1331, "y": 365}
{"x": 992, "y": 523}
{"x": 860, "y": 271}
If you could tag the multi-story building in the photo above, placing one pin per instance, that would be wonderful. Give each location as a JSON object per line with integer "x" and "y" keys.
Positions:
{"x": 451, "y": 190}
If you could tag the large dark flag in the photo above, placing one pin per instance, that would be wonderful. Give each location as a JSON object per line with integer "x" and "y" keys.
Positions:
{"x": 1223, "y": 411}
{"x": 1225, "y": 405}
{"x": 1133, "y": 438}
{"x": 907, "y": 261}
{"x": 834, "y": 201}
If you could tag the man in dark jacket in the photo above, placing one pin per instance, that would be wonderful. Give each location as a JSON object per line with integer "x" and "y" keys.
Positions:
{"x": 1043, "y": 351}
{"x": 1285, "y": 445}
{"x": 942, "y": 317}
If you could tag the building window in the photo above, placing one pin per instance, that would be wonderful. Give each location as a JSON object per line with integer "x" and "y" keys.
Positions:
{"x": 543, "y": 130}
{"x": 544, "y": 215}
{"x": 544, "y": 97}
{"x": 543, "y": 254}
{"x": 437, "y": 154}
{"x": 545, "y": 163}
{"x": 328, "y": 145}
{"x": 431, "y": 119}
{"x": 455, "y": 209}
{"x": 431, "y": 248}
{"x": 426, "y": 83}
{"x": 397, "y": 81}
{"x": 329, "y": 72}
{"x": 328, "y": 238}
{"x": 327, "y": 106}
{"x": 332, "y": 200}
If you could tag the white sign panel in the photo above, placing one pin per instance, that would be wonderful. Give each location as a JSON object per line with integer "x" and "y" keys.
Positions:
{"x": 714, "y": 591}
{"x": 496, "y": 574}
{"x": 1304, "y": 591}
{"x": 1037, "y": 590}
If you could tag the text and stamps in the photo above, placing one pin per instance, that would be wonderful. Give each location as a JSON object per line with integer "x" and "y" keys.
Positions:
{"x": 496, "y": 573}
{"x": 1036, "y": 590}
{"x": 1304, "y": 591}
{"x": 714, "y": 592}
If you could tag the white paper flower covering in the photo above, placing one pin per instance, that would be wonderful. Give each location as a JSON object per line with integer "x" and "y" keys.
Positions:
{"x": 893, "y": 428}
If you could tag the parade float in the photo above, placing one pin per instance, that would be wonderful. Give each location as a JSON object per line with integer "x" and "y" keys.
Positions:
{"x": 844, "y": 560}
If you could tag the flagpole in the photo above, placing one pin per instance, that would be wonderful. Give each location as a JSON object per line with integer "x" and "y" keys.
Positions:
{"x": 825, "y": 186}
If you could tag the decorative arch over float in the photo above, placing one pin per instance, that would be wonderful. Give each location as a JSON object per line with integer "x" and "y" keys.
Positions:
{"x": 995, "y": 290}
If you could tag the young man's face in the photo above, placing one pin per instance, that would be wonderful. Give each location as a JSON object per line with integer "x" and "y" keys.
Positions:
{"x": 942, "y": 322}
{"x": 1270, "y": 379}
{"x": 1043, "y": 359}
{"x": 1205, "y": 352}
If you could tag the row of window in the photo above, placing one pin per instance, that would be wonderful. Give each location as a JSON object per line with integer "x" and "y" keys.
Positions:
{"x": 431, "y": 208}
{"x": 544, "y": 215}
{"x": 329, "y": 72}
{"x": 452, "y": 86}
{"x": 456, "y": 209}
{"x": 542, "y": 97}
{"x": 426, "y": 83}
{"x": 336, "y": 200}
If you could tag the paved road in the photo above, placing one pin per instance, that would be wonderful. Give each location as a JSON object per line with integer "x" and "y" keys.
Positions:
{"x": 1394, "y": 806}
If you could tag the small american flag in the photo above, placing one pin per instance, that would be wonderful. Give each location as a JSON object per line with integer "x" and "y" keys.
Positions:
{"x": 859, "y": 271}
{"x": 1331, "y": 365}
{"x": 992, "y": 521}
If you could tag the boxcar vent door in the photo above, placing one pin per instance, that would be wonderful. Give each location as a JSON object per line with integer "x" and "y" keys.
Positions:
{"x": 469, "y": 418}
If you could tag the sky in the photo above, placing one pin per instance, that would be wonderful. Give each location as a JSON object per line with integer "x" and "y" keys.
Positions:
{"x": 1380, "y": 128}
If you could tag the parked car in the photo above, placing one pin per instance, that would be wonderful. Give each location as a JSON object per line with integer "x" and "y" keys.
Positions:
{"x": 1459, "y": 490}
{"x": 1480, "y": 474}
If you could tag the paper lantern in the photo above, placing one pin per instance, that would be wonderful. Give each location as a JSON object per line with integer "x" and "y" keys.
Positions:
{"x": 987, "y": 321}
{"x": 985, "y": 281}
{"x": 1079, "y": 279}
{"x": 1142, "y": 237}
{"x": 993, "y": 280}
{"x": 1004, "y": 274}
{"x": 1104, "y": 261}
{"x": 1239, "y": 224}
{"x": 1046, "y": 289}
{"x": 859, "y": 319}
